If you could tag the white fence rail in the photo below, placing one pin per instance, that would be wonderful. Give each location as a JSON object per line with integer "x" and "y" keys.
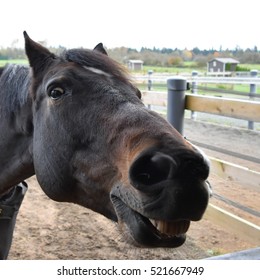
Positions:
{"x": 226, "y": 80}
{"x": 201, "y": 79}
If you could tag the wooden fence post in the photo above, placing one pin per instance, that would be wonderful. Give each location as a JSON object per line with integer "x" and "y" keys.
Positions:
{"x": 176, "y": 102}
{"x": 253, "y": 74}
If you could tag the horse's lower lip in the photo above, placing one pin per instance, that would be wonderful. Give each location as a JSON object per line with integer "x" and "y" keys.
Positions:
{"x": 144, "y": 232}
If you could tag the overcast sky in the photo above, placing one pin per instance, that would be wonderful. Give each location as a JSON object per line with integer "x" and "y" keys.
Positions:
{"x": 133, "y": 23}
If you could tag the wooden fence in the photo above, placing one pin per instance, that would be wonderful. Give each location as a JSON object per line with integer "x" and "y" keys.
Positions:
{"x": 246, "y": 177}
{"x": 241, "y": 109}
{"x": 234, "y": 108}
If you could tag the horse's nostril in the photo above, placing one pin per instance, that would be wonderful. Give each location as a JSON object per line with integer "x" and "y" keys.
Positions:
{"x": 150, "y": 169}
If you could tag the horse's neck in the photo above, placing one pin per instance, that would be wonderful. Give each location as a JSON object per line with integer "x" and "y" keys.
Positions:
{"x": 16, "y": 128}
{"x": 16, "y": 157}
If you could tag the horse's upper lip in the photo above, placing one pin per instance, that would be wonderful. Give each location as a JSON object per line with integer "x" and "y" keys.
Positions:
{"x": 148, "y": 232}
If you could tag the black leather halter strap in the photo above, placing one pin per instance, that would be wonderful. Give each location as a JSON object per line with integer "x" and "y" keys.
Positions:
{"x": 7, "y": 212}
{"x": 9, "y": 207}
{"x": 10, "y": 202}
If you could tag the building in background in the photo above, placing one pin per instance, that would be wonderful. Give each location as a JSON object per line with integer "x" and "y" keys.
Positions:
{"x": 223, "y": 66}
{"x": 135, "y": 64}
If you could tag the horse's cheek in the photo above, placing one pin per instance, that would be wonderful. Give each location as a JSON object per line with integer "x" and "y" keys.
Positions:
{"x": 51, "y": 163}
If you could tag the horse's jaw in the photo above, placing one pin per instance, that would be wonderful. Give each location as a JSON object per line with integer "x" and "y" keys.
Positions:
{"x": 145, "y": 232}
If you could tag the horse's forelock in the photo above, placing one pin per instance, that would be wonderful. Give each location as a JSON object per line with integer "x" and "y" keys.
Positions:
{"x": 97, "y": 60}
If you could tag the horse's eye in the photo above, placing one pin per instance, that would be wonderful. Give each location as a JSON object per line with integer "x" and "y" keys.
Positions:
{"x": 56, "y": 92}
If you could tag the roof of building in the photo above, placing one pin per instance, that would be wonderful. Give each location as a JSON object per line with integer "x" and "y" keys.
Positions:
{"x": 225, "y": 60}
{"x": 135, "y": 61}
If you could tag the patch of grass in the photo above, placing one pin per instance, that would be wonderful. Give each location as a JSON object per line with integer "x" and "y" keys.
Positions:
{"x": 215, "y": 252}
{"x": 187, "y": 67}
{"x": 236, "y": 87}
{"x": 251, "y": 66}
{"x": 13, "y": 61}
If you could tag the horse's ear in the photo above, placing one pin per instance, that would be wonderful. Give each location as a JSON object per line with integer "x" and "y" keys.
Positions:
{"x": 100, "y": 48}
{"x": 36, "y": 53}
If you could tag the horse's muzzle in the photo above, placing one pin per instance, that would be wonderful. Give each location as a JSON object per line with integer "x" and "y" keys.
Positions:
{"x": 164, "y": 195}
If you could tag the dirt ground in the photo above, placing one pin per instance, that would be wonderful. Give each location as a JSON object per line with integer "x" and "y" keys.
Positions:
{"x": 49, "y": 230}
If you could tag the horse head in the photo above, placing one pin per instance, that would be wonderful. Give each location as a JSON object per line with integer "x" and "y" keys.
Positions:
{"x": 97, "y": 145}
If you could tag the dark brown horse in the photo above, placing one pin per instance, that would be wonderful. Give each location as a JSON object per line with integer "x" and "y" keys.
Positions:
{"x": 78, "y": 123}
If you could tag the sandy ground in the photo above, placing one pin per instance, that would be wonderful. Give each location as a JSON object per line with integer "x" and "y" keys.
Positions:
{"x": 49, "y": 230}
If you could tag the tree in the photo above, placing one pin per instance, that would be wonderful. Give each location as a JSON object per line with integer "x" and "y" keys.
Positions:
{"x": 174, "y": 61}
{"x": 187, "y": 55}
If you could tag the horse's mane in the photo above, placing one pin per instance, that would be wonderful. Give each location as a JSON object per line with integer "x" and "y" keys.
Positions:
{"x": 97, "y": 60}
{"x": 14, "y": 88}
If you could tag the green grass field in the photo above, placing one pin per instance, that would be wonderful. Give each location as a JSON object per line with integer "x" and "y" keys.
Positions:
{"x": 13, "y": 61}
{"x": 251, "y": 66}
{"x": 188, "y": 67}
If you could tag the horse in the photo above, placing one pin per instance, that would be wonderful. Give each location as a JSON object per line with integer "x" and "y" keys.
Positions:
{"x": 77, "y": 121}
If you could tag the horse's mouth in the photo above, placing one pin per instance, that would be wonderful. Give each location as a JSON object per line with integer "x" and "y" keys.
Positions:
{"x": 146, "y": 232}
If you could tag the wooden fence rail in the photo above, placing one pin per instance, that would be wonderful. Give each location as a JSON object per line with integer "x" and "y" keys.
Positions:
{"x": 246, "y": 177}
{"x": 234, "y": 108}
{"x": 239, "y": 109}
{"x": 232, "y": 223}
{"x": 234, "y": 172}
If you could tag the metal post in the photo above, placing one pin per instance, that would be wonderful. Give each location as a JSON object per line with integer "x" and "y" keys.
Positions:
{"x": 253, "y": 74}
{"x": 176, "y": 102}
{"x": 194, "y": 90}
{"x": 150, "y": 83}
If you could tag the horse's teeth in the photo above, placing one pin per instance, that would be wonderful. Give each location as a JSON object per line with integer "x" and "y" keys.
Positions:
{"x": 171, "y": 228}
